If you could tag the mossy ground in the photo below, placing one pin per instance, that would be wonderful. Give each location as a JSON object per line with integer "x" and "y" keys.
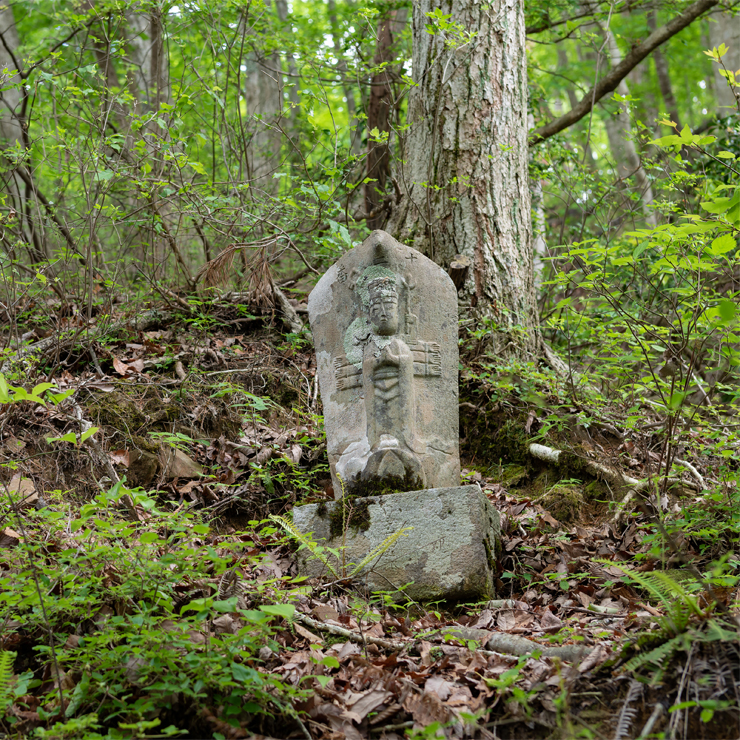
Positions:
{"x": 495, "y": 441}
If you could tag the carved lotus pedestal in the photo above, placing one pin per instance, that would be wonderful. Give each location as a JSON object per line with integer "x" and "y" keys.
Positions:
{"x": 449, "y": 553}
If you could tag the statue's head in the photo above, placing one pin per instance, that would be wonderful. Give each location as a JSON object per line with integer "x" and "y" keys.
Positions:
{"x": 382, "y": 305}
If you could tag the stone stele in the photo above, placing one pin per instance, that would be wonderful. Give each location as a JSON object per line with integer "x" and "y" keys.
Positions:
{"x": 449, "y": 552}
{"x": 384, "y": 323}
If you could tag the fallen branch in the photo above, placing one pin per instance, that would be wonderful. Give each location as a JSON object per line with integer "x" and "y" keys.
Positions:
{"x": 505, "y": 644}
{"x": 615, "y": 477}
{"x": 390, "y": 644}
{"x": 349, "y": 634}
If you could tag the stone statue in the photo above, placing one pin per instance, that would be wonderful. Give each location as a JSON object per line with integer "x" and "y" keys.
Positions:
{"x": 384, "y": 321}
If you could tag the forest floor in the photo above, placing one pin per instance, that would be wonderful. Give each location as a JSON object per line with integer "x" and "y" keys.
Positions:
{"x": 215, "y": 413}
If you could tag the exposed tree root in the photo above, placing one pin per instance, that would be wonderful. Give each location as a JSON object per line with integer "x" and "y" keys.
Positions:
{"x": 617, "y": 478}
{"x": 497, "y": 643}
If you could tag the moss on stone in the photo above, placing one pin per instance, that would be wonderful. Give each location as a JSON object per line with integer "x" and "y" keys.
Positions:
{"x": 511, "y": 475}
{"x": 349, "y": 512}
{"x": 564, "y": 502}
{"x": 383, "y": 486}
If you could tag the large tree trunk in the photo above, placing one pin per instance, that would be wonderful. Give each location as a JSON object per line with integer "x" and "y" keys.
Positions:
{"x": 347, "y": 89}
{"x": 263, "y": 94}
{"x": 465, "y": 192}
{"x": 724, "y": 28}
{"x": 150, "y": 80}
{"x": 22, "y": 196}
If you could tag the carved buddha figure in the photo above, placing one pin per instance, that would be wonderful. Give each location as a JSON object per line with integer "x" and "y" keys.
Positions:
{"x": 388, "y": 372}
{"x": 388, "y": 381}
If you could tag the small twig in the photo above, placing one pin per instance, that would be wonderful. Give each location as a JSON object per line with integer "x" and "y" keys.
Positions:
{"x": 103, "y": 458}
{"x": 598, "y": 615}
{"x": 692, "y": 470}
{"x": 349, "y": 634}
{"x": 397, "y": 726}
{"x": 95, "y": 362}
{"x": 654, "y": 717}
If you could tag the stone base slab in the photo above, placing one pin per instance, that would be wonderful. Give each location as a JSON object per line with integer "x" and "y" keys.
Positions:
{"x": 449, "y": 554}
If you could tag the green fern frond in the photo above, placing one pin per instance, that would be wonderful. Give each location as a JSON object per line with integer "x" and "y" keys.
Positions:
{"x": 380, "y": 549}
{"x": 665, "y": 587}
{"x": 674, "y": 586}
{"x": 6, "y": 674}
{"x": 315, "y": 549}
{"x": 642, "y": 579}
{"x": 658, "y": 655}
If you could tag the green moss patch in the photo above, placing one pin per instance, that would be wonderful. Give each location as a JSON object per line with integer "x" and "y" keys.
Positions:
{"x": 384, "y": 486}
{"x": 349, "y": 513}
{"x": 564, "y": 502}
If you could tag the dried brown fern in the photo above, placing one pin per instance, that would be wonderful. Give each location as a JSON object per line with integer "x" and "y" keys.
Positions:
{"x": 217, "y": 271}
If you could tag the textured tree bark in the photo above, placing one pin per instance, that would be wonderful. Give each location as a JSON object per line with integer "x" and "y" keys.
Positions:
{"x": 14, "y": 136}
{"x": 149, "y": 81}
{"x": 348, "y": 90}
{"x": 263, "y": 94}
{"x": 378, "y": 120}
{"x": 281, "y": 6}
{"x": 464, "y": 183}
{"x": 725, "y": 29}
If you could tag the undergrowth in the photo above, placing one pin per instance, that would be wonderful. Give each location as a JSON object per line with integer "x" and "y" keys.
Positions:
{"x": 110, "y": 620}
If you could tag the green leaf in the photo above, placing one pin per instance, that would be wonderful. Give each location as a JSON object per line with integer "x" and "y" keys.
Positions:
{"x": 279, "y": 610}
{"x": 4, "y": 398}
{"x": 20, "y": 394}
{"x": 226, "y": 605}
{"x": 727, "y": 310}
{"x": 242, "y": 673}
{"x": 68, "y": 437}
{"x": 723, "y": 244}
{"x": 726, "y": 155}
{"x": 671, "y": 140}
{"x": 196, "y": 605}
{"x": 323, "y": 680}
{"x": 87, "y": 434}
{"x": 148, "y": 537}
{"x": 57, "y": 398}
{"x": 330, "y": 661}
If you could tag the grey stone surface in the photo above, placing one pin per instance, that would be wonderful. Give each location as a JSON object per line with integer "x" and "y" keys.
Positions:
{"x": 384, "y": 323}
{"x": 449, "y": 553}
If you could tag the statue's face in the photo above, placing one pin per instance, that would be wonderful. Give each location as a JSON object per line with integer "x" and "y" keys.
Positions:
{"x": 384, "y": 313}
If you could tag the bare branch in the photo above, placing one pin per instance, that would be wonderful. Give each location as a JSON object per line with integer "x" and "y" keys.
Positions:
{"x": 620, "y": 71}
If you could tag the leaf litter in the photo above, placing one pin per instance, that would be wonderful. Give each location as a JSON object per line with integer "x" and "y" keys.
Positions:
{"x": 488, "y": 670}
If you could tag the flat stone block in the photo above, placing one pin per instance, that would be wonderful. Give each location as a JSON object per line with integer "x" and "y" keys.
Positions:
{"x": 449, "y": 554}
